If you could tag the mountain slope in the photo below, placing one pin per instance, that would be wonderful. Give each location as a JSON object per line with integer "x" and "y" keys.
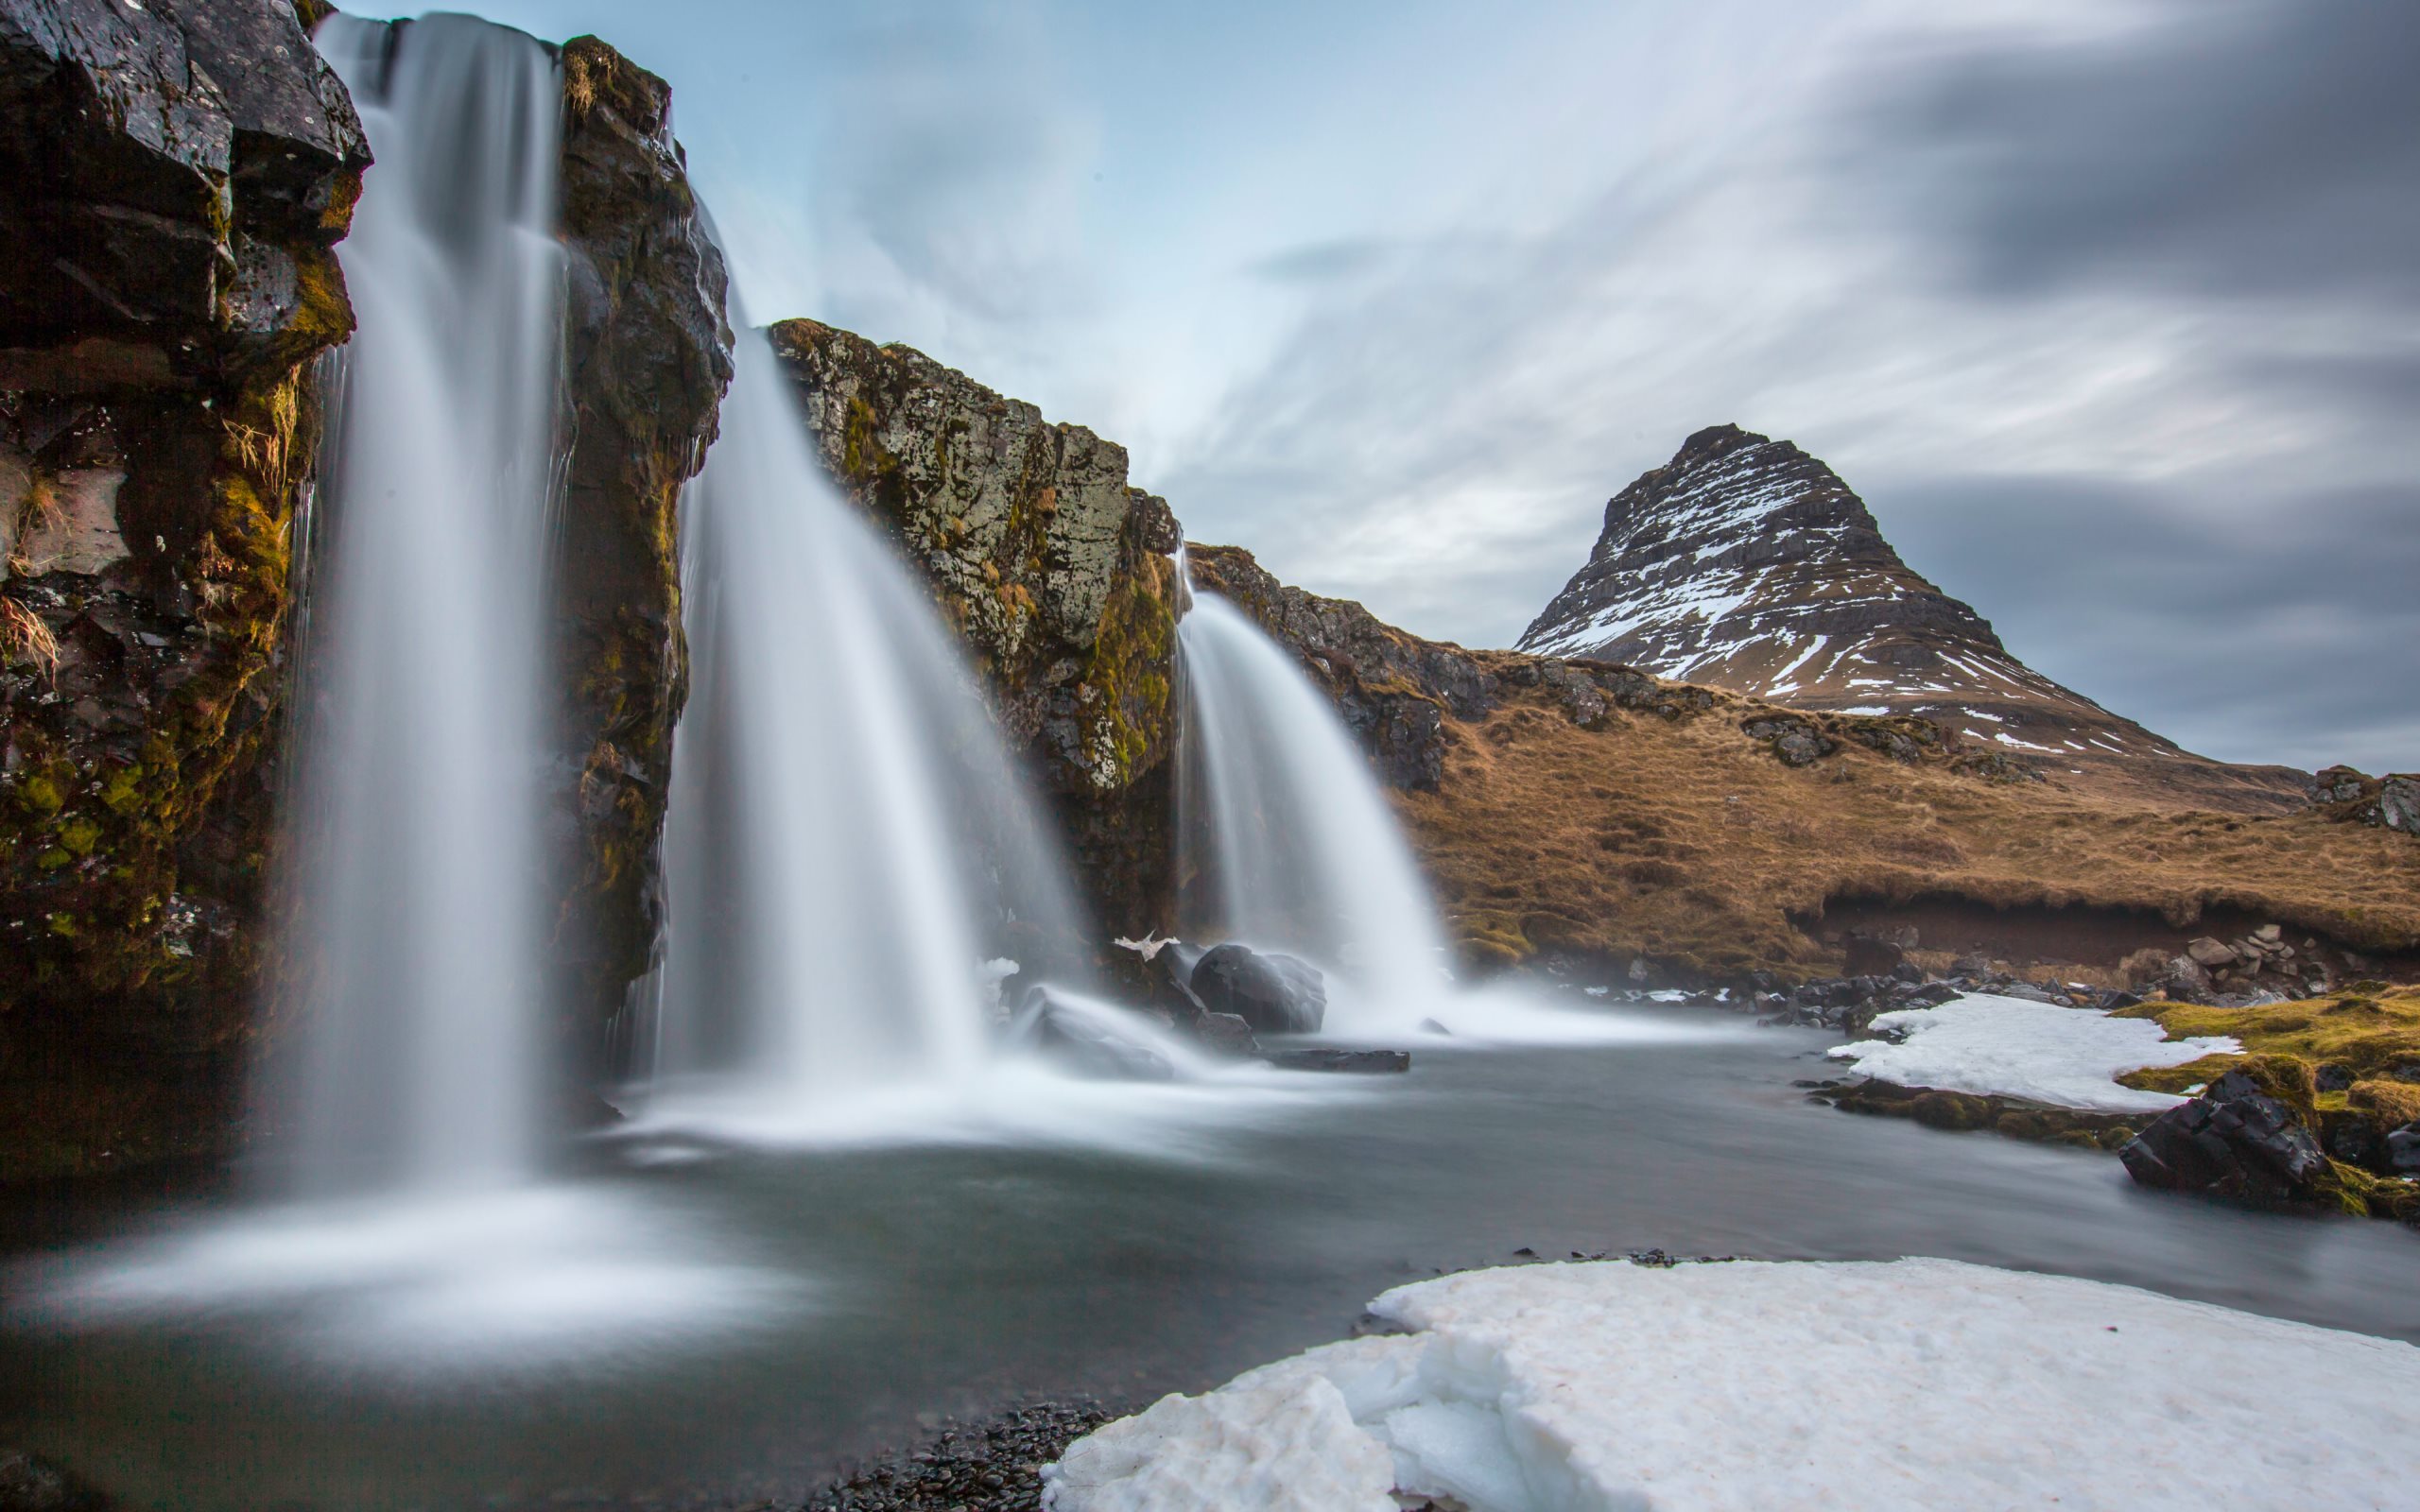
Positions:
{"x": 1570, "y": 808}
{"x": 1747, "y": 564}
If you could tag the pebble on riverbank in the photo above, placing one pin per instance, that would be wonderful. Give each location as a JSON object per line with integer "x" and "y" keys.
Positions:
{"x": 993, "y": 1467}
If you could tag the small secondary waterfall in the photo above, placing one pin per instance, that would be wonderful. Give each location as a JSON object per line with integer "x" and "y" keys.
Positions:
{"x": 1289, "y": 841}
{"x": 419, "y": 931}
{"x": 847, "y": 841}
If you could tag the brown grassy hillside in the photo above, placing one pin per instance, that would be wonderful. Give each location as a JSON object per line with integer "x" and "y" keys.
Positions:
{"x": 1686, "y": 841}
{"x": 1585, "y": 808}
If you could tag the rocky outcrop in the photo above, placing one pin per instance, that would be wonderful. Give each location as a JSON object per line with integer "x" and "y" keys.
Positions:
{"x": 1395, "y": 690}
{"x": 647, "y": 357}
{"x": 1052, "y": 567}
{"x": 159, "y": 426}
{"x": 1747, "y": 564}
{"x": 2391, "y": 803}
{"x": 172, "y": 179}
{"x": 2234, "y": 1140}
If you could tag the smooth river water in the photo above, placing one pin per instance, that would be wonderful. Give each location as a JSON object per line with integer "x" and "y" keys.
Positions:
{"x": 696, "y": 1323}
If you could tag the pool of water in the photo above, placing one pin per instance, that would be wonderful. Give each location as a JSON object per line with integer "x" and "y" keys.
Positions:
{"x": 694, "y": 1322}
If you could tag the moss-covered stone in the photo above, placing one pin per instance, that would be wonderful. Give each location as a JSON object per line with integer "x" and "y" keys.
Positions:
{"x": 1053, "y": 569}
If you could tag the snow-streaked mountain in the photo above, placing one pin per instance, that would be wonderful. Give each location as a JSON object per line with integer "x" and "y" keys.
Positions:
{"x": 1747, "y": 564}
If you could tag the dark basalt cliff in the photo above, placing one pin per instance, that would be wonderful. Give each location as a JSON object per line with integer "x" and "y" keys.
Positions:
{"x": 1745, "y": 564}
{"x": 171, "y": 180}
{"x": 1054, "y": 569}
{"x": 647, "y": 357}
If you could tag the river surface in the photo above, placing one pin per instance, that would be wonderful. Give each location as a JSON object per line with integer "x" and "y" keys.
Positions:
{"x": 694, "y": 1322}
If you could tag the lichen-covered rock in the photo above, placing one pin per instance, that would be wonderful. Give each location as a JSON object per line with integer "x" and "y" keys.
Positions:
{"x": 1393, "y": 690}
{"x": 1052, "y": 567}
{"x": 647, "y": 357}
{"x": 172, "y": 180}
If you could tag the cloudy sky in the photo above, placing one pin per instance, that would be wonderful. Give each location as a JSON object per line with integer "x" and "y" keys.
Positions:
{"x": 2109, "y": 308}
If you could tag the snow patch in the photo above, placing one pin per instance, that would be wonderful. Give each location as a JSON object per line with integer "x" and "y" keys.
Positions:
{"x": 1746, "y": 1386}
{"x": 1989, "y": 1045}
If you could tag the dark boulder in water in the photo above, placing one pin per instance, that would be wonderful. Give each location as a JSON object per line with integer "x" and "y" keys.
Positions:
{"x": 2234, "y": 1140}
{"x": 1275, "y": 994}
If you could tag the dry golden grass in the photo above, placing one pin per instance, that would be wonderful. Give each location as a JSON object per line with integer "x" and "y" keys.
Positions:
{"x": 268, "y": 452}
{"x": 1691, "y": 844}
{"x": 25, "y": 637}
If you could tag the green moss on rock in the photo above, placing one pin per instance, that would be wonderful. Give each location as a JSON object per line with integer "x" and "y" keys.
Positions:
{"x": 1051, "y": 567}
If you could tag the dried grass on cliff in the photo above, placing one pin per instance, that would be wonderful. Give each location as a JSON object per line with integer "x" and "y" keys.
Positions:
{"x": 1691, "y": 844}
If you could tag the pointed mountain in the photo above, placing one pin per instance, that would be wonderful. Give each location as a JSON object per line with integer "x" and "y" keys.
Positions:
{"x": 1745, "y": 564}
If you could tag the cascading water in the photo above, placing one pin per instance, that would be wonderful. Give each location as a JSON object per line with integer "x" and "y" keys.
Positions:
{"x": 1289, "y": 842}
{"x": 847, "y": 842}
{"x": 417, "y": 938}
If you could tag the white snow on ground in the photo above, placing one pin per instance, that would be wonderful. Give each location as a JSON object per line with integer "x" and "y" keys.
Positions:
{"x": 2065, "y": 1056}
{"x": 1755, "y": 1386}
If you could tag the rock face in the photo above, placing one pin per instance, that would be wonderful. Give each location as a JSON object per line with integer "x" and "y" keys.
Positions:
{"x": 1395, "y": 690}
{"x": 1054, "y": 569}
{"x": 2234, "y": 1140}
{"x": 1747, "y": 564}
{"x": 647, "y": 357}
{"x": 175, "y": 177}
{"x": 172, "y": 178}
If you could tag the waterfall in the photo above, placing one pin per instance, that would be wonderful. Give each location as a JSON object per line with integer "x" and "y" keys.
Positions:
{"x": 417, "y": 943}
{"x": 1289, "y": 842}
{"x": 847, "y": 843}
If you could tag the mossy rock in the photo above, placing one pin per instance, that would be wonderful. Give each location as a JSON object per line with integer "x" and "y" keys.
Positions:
{"x": 1951, "y": 1110}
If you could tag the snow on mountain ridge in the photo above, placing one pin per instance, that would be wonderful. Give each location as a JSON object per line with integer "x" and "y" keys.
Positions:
{"x": 1746, "y": 563}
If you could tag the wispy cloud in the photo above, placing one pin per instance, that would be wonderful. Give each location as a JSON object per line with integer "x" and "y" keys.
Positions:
{"x": 2107, "y": 321}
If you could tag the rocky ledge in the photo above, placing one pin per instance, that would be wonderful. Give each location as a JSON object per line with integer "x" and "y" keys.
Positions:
{"x": 1054, "y": 569}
